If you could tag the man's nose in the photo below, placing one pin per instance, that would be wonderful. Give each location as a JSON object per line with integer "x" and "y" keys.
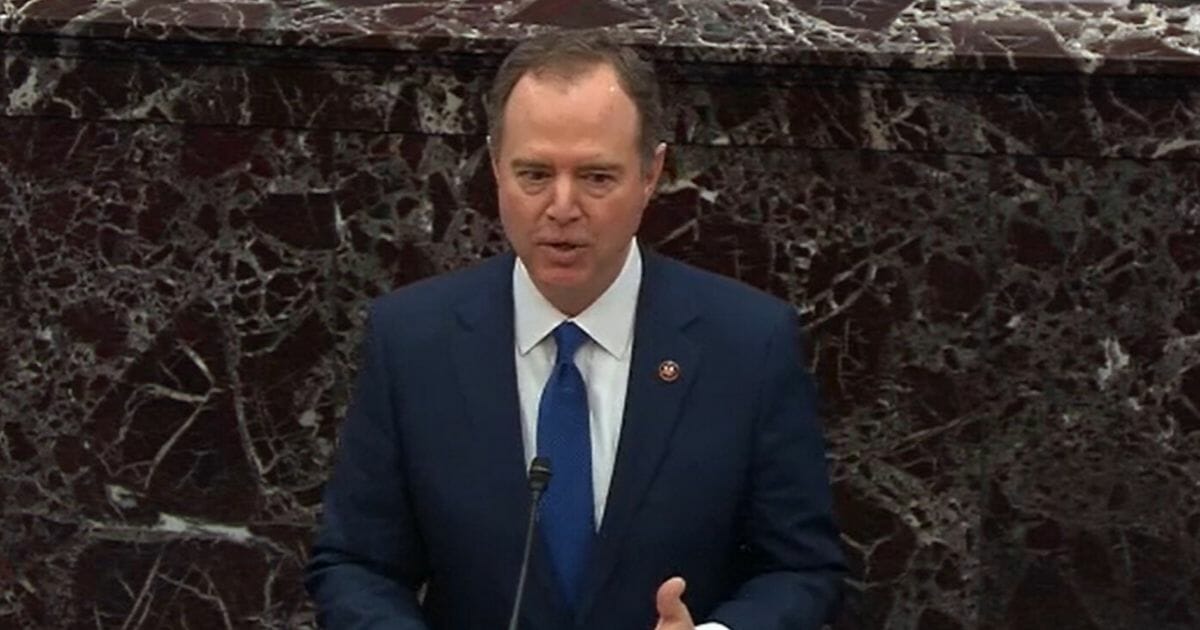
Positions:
{"x": 564, "y": 203}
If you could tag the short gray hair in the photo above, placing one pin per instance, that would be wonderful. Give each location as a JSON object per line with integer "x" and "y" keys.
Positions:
{"x": 569, "y": 54}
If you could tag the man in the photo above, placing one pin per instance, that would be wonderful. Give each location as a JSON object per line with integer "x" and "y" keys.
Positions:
{"x": 671, "y": 403}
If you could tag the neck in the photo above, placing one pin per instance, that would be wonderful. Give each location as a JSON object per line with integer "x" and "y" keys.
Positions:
{"x": 574, "y": 300}
{"x": 571, "y": 302}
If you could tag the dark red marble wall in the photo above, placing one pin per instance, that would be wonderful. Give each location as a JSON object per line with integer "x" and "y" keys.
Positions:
{"x": 999, "y": 267}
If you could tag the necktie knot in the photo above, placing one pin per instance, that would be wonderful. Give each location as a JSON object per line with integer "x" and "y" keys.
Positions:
{"x": 568, "y": 337}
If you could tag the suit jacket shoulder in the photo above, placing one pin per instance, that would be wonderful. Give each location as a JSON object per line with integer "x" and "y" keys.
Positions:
{"x": 437, "y": 298}
{"x": 727, "y": 304}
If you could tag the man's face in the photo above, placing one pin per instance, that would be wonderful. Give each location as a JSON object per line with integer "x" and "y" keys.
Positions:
{"x": 571, "y": 183}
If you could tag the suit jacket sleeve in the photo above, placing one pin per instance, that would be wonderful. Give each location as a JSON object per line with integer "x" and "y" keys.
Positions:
{"x": 367, "y": 563}
{"x": 794, "y": 560}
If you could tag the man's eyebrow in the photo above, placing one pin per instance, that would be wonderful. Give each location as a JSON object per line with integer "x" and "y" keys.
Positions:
{"x": 586, "y": 166}
{"x": 527, "y": 163}
{"x": 600, "y": 166}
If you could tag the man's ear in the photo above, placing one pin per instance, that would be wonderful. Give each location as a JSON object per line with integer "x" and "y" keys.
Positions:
{"x": 656, "y": 169}
{"x": 492, "y": 157}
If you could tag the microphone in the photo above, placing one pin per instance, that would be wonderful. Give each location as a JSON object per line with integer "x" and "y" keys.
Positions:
{"x": 539, "y": 478}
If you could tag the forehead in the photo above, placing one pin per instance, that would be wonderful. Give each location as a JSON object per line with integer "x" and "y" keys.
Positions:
{"x": 590, "y": 108}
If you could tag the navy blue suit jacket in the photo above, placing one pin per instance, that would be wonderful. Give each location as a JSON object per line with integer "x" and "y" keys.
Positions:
{"x": 720, "y": 475}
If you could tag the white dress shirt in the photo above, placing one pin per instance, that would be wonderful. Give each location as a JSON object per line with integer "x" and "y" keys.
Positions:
{"x": 603, "y": 360}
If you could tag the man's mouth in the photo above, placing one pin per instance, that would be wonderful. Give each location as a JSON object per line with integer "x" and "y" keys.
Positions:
{"x": 562, "y": 246}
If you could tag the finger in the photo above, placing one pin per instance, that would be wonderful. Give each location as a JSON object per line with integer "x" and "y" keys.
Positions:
{"x": 669, "y": 600}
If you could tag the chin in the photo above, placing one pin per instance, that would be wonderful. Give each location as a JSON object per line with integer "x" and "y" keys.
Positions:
{"x": 562, "y": 279}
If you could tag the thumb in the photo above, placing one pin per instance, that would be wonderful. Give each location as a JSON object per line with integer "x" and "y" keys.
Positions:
{"x": 669, "y": 603}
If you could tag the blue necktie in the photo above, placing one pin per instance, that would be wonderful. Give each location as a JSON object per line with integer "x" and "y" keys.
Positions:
{"x": 563, "y": 436}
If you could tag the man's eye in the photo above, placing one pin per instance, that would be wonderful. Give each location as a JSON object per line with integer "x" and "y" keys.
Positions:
{"x": 532, "y": 177}
{"x": 599, "y": 178}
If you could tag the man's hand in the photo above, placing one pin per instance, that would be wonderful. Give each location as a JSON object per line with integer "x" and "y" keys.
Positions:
{"x": 672, "y": 613}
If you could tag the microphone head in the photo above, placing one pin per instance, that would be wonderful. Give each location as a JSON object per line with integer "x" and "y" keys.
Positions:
{"x": 539, "y": 473}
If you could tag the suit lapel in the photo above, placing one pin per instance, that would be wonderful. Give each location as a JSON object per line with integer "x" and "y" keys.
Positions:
{"x": 652, "y": 411}
{"x": 484, "y": 360}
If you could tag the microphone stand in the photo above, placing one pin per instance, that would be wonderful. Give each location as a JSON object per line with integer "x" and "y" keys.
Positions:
{"x": 539, "y": 478}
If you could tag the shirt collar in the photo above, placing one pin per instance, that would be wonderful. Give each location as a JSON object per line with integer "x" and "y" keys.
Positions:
{"x": 608, "y": 321}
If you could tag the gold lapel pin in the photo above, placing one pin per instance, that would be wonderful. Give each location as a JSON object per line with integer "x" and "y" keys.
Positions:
{"x": 668, "y": 371}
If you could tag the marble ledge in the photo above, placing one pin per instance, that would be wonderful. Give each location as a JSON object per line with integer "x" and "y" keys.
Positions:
{"x": 1089, "y": 36}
